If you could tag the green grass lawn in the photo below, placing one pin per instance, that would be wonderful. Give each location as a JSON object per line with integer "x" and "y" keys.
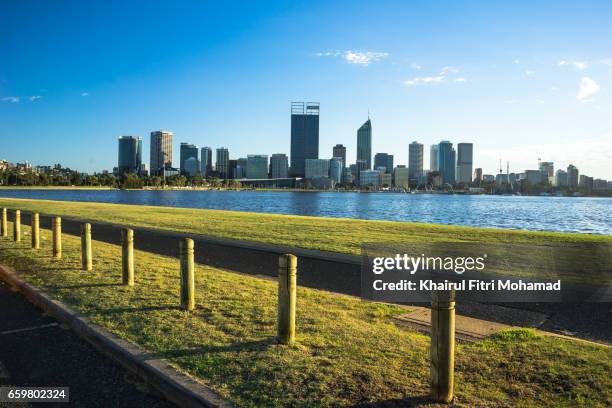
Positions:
{"x": 348, "y": 351}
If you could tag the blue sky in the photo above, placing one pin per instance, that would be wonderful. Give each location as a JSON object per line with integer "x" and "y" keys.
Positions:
{"x": 522, "y": 80}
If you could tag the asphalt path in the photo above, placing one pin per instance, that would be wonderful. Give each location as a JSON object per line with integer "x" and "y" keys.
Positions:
{"x": 36, "y": 351}
{"x": 342, "y": 274}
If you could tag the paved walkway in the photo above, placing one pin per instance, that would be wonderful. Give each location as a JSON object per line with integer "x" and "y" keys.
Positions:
{"x": 36, "y": 351}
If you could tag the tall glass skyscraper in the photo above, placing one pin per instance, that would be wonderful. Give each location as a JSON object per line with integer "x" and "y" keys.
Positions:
{"x": 304, "y": 135}
{"x": 222, "y": 163}
{"x": 446, "y": 162}
{"x": 415, "y": 160}
{"x": 257, "y": 166}
{"x": 465, "y": 153}
{"x": 206, "y": 163}
{"x": 161, "y": 151}
{"x": 433, "y": 158}
{"x": 189, "y": 151}
{"x": 130, "y": 154}
{"x": 279, "y": 166}
{"x": 340, "y": 151}
{"x": 364, "y": 143}
{"x": 384, "y": 160}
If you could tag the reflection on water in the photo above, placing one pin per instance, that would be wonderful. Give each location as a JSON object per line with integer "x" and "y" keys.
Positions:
{"x": 566, "y": 214}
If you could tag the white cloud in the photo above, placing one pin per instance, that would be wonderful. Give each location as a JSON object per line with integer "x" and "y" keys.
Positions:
{"x": 416, "y": 66}
{"x": 363, "y": 58}
{"x": 12, "y": 99}
{"x": 461, "y": 79}
{"x": 425, "y": 80}
{"x": 528, "y": 72}
{"x": 588, "y": 88}
{"x": 84, "y": 93}
{"x": 516, "y": 61}
{"x": 578, "y": 64}
{"x": 34, "y": 98}
{"x": 448, "y": 70}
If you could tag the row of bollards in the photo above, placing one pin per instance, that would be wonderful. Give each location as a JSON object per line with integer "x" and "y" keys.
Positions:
{"x": 442, "y": 306}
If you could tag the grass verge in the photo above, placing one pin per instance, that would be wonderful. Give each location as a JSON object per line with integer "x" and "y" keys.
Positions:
{"x": 348, "y": 351}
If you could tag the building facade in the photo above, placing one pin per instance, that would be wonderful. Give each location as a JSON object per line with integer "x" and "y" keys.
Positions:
{"x": 206, "y": 163}
{"x": 560, "y": 178}
{"x": 572, "y": 176}
{"x": 279, "y": 166}
{"x": 433, "y": 158}
{"x": 257, "y": 166}
{"x": 364, "y": 144}
{"x": 130, "y": 154}
{"x": 415, "y": 160}
{"x": 188, "y": 151}
{"x": 304, "y": 135}
{"x": 384, "y": 160}
{"x": 401, "y": 177}
{"x": 160, "y": 152}
{"x": 465, "y": 153}
{"x": 340, "y": 151}
{"x": 369, "y": 178}
{"x": 335, "y": 169}
{"x": 317, "y": 168}
{"x": 222, "y": 163}
{"x": 446, "y": 162}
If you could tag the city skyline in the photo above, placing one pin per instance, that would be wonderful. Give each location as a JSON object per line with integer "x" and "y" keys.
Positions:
{"x": 519, "y": 87}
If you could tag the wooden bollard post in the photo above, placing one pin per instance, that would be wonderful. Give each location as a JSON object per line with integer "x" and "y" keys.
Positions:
{"x": 57, "y": 237}
{"x": 127, "y": 256}
{"x": 187, "y": 274}
{"x": 35, "y": 223}
{"x": 17, "y": 226}
{"x": 442, "y": 367}
{"x": 4, "y": 224}
{"x": 287, "y": 285}
{"x": 86, "y": 255}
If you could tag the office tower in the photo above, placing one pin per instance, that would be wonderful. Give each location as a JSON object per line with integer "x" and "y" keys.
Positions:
{"x": 257, "y": 166}
{"x": 317, "y": 168}
{"x": 206, "y": 163}
{"x": 548, "y": 171}
{"x": 433, "y": 158}
{"x": 241, "y": 168}
{"x": 279, "y": 166}
{"x": 335, "y": 169}
{"x": 347, "y": 175}
{"x": 360, "y": 166}
{"x": 222, "y": 163}
{"x": 585, "y": 182}
{"x": 401, "y": 176}
{"x": 572, "y": 176}
{"x": 560, "y": 178}
{"x": 478, "y": 175}
{"x": 191, "y": 167}
{"x": 446, "y": 162}
{"x": 130, "y": 154}
{"x": 340, "y": 151}
{"x": 161, "y": 151}
{"x": 415, "y": 160}
{"x": 369, "y": 178}
{"x": 364, "y": 143}
{"x": 232, "y": 168}
{"x": 304, "y": 135}
{"x": 465, "y": 153}
{"x": 188, "y": 151}
{"x": 384, "y": 160}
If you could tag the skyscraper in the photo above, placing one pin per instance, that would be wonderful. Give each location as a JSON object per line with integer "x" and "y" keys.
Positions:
{"x": 364, "y": 143}
{"x": 433, "y": 158}
{"x": 572, "y": 176}
{"x": 161, "y": 151}
{"x": 384, "y": 160}
{"x": 304, "y": 135}
{"x": 317, "y": 168}
{"x": 206, "y": 161}
{"x": 548, "y": 171}
{"x": 465, "y": 153}
{"x": 189, "y": 151}
{"x": 340, "y": 151}
{"x": 415, "y": 160}
{"x": 222, "y": 163}
{"x": 130, "y": 154}
{"x": 279, "y": 166}
{"x": 446, "y": 162}
{"x": 335, "y": 169}
{"x": 257, "y": 166}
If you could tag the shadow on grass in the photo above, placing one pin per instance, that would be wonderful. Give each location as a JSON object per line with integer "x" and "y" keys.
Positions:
{"x": 415, "y": 401}
{"x": 91, "y": 285}
{"x": 133, "y": 309}
{"x": 248, "y": 346}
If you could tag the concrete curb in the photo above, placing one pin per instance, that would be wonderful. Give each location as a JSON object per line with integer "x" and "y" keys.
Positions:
{"x": 175, "y": 386}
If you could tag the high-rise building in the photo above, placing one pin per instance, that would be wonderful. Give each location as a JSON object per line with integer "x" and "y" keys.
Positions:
{"x": 206, "y": 162}
{"x": 241, "y": 168}
{"x": 433, "y": 158}
{"x": 364, "y": 143}
{"x": 222, "y": 163}
{"x": 446, "y": 162}
{"x": 572, "y": 176}
{"x": 478, "y": 175}
{"x": 369, "y": 178}
{"x": 384, "y": 160}
{"x": 585, "y": 182}
{"x": 340, "y": 151}
{"x": 304, "y": 135}
{"x": 347, "y": 175}
{"x": 560, "y": 178}
{"x": 360, "y": 165}
{"x": 279, "y": 166}
{"x": 465, "y": 153}
{"x": 161, "y": 151}
{"x": 335, "y": 169}
{"x": 189, "y": 151}
{"x": 130, "y": 154}
{"x": 548, "y": 171}
{"x": 317, "y": 168}
{"x": 401, "y": 176}
{"x": 191, "y": 167}
{"x": 415, "y": 160}
{"x": 257, "y": 166}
